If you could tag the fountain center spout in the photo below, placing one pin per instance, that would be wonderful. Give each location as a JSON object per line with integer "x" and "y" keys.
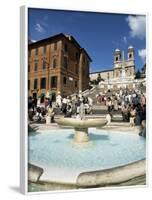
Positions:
{"x": 82, "y": 111}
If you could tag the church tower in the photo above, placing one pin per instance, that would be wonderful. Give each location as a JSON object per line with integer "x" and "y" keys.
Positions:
{"x": 117, "y": 63}
{"x": 122, "y": 66}
{"x": 130, "y": 63}
{"x": 130, "y": 53}
{"x": 117, "y": 56}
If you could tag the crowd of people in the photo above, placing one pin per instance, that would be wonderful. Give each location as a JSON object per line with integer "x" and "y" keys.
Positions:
{"x": 39, "y": 109}
{"x": 131, "y": 104}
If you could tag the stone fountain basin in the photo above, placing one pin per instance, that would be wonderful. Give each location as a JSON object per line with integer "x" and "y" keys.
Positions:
{"x": 113, "y": 176}
{"x": 81, "y": 124}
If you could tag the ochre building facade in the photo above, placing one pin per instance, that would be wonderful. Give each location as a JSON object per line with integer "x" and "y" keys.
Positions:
{"x": 57, "y": 64}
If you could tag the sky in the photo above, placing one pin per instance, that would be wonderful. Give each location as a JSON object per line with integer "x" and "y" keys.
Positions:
{"x": 99, "y": 33}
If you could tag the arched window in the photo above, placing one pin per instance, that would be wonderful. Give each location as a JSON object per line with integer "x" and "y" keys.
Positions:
{"x": 44, "y": 65}
{"x": 36, "y": 51}
{"x": 130, "y": 55}
{"x": 43, "y": 83}
{"x": 54, "y": 80}
{"x": 35, "y": 66}
{"x": 65, "y": 47}
{"x": 44, "y": 49}
{"x": 77, "y": 56}
{"x": 64, "y": 80}
{"x": 76, "y": 68}
{"x": 54, "y": 63}
{"x": 35, "y": 84}
{"x": 65, "y": 62}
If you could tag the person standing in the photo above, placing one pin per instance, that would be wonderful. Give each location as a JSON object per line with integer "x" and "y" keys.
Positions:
{"x": 132, "y": 116}
{"x": 64, "y": 105}
{"x": 59, "y": 100}
{"x": 109, "y": 104}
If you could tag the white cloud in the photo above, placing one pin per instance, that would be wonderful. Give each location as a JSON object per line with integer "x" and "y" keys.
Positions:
{"x": 142, "y": 54}
{"x": 124, "y": 40}
{"x": 137, "y": 25}
{"x": 33, "y": 41}
{"x": 39, "y": 28}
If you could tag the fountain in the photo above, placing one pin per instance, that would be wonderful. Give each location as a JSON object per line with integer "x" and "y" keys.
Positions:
{"x": 111, "y": 158}
{"x": 63, "y": 161}
{"x": 81, "y": 124}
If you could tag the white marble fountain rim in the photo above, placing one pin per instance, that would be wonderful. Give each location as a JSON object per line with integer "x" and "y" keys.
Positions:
{"x": 62, "y": 175}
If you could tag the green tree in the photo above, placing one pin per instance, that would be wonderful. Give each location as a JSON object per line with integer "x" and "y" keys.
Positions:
{"x": 99, "y": 78}
{"x": 138, "y": 74}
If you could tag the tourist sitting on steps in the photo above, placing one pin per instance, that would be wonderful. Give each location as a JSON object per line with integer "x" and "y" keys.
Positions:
{"x": 132, "y": 116}
{"x": 40, "y": 114}
{"x": 109, "y": 104}
{"x": 125, "y": 114}
{"x": 69, "y": 111}
{"x": 108, "y": 118}
{"x": 51, "y": 113}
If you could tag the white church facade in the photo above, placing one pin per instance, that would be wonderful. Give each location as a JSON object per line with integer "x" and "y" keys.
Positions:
{"x": 123, "y": 73}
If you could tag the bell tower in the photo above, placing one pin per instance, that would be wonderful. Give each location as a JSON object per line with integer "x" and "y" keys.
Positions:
{"x": 131, "y": 62}
{"x": 131, "y": 53}
{"x": 117, "y": 56}
{"x": 117, "y": 63}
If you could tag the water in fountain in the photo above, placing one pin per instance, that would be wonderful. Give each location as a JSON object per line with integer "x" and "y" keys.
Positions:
{"x": 63, "y": 160}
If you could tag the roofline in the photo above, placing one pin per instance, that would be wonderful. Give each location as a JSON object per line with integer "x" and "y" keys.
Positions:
{"x": 102, "y": 71}
{"x": 61, "y": 35}
{"x": 82, "y": 49}
{"x": 46, "y": 39}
